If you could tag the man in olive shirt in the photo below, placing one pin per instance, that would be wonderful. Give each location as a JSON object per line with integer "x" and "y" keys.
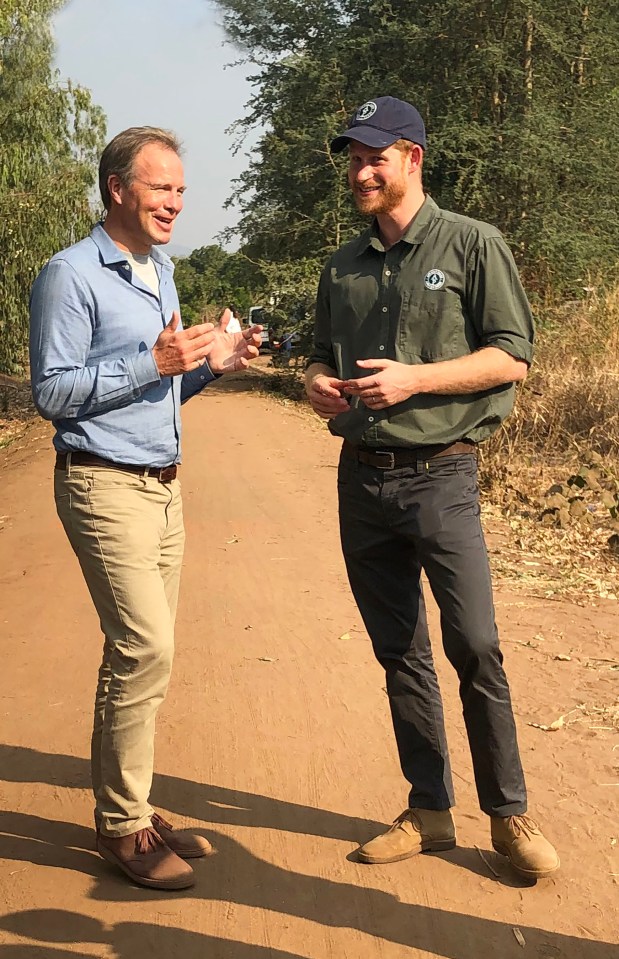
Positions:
{"x": 422, "y": 331}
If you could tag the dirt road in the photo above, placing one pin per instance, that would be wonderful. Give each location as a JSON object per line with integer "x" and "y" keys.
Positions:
{"x": 275, "y": 739}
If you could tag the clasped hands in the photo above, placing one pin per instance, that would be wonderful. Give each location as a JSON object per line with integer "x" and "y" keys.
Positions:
{"x": 181, "y": 350}
{"x": 387, "y": 383}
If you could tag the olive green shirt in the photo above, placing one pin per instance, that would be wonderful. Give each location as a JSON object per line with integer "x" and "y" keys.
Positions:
{"x": 448, "y": 288}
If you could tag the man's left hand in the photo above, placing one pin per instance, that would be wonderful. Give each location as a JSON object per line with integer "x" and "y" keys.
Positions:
{"x": 389, "y": 383}
{"x": 232, "y": 352}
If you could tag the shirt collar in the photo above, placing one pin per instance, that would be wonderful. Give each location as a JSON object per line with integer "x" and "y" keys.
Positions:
{"x": 414, "y": 235}
{"x": 111, "y": 254}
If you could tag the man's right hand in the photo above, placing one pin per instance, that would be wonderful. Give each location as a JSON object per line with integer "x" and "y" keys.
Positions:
{"x": 178, "y": 351}
{"x": 324, "y": 394}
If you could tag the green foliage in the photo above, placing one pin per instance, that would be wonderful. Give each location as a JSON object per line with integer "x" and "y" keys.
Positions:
{"x": 293, "y": 199}
{"x": 288, "y": 291}
{"x": 210, "y": 279}
{"x": 51, "y": 135}
{"x": 521, "y": 101}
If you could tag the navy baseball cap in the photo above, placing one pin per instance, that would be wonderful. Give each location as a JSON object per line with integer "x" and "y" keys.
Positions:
{"x": 380, "y": 122}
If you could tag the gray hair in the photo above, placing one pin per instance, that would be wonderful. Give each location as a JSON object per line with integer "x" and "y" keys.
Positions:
{"x": 120, "y": 153}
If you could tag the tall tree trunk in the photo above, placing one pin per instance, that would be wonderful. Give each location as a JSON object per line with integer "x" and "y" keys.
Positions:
{"x": 528, "y": 61}
{"x": 527, "y": 64}
{"x": 578, "y": 66}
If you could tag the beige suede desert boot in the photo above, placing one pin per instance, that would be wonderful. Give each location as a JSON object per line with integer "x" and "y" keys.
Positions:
{"x": 414, "y": 831}
{"x": 520, "y": 839}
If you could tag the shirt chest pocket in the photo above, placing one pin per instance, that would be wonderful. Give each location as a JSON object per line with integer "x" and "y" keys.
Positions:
{"x": 433, "y": 327}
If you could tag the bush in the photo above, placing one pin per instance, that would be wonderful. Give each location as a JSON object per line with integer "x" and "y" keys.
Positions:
{"x": 569, "y": 403}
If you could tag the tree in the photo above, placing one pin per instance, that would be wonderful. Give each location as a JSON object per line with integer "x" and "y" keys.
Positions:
{"x": 293, "y": 200}
{"x": 50, "y": 137}
{"x": 210, "y": 279}
{"x": 520, "y": 100}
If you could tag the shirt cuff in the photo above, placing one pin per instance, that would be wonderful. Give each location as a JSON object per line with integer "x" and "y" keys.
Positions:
{"x": 145, "y": 372}
{"x": 195, "y": 381}
{"x": 201, "y": 376}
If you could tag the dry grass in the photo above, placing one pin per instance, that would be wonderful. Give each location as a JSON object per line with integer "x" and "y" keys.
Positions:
{"x": 569, "y": 404}
{"x": 548, "y": 562}
{"x": 567, "y": 408}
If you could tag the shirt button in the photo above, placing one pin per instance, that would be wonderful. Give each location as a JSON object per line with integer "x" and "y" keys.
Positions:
{"x": 381, "y": 347}
{"x": 384, "y": 309}
{"x": 370, "y": 419}
{"x": 387, "y": 272}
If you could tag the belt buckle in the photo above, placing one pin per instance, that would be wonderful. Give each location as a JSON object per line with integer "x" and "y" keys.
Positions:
{"x": 166, "y": 474}
{"x": 389, "y": 457}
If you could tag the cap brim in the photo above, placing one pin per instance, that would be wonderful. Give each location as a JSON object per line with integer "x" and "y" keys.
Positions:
{"x": 369, "y": 136}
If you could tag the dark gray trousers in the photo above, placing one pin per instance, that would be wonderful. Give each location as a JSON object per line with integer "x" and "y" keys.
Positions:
{"x": 393, "y": 524}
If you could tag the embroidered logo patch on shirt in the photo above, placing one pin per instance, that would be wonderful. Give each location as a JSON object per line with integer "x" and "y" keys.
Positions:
{"x": 434, "y": 280}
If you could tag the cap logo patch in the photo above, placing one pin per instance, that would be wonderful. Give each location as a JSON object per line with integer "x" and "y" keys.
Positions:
{"x": 366, "y": 111}
{"x": 434, "y": 280}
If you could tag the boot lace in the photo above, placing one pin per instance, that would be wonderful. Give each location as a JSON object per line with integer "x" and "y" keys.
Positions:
{"x": 403, "y": 815}
{"x": 147, "y": 840}
{"x": 409, "y": 816}
{"x": 523, "y": 826}
{"x": 158, "y": 820}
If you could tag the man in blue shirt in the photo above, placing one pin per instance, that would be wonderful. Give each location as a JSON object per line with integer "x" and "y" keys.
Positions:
{"x": 111, "y": 366}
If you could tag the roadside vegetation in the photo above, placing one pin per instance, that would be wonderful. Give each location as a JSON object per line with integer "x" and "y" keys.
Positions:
{"x": 550, "y": 475}
{"x": 553, "y": 468}
{"x": 521, "y": 100}
{"x": 51, "y": 134}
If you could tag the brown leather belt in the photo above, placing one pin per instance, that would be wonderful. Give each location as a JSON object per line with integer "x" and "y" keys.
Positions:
{"x": 392, "y": 458}
{"x": 165, "y": 474}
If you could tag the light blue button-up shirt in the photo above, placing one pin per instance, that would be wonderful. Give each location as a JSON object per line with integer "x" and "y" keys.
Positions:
{"x": 93, "y": 324}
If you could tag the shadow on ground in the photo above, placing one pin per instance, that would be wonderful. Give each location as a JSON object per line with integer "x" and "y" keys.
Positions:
{"x": 235, "y": 875}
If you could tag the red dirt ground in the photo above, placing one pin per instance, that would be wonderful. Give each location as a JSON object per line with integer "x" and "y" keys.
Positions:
{"x": 275, "y": 739}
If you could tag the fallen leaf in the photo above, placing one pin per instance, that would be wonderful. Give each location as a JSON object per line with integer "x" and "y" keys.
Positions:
{"x": 519, "y": 937}
{"x": 563, "y": 658}
{"x": 558, "y": 724}
{"x": 344, "y": 636}
{"x": 266, "y": 659}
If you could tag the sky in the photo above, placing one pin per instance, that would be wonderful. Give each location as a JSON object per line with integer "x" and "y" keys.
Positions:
{"x": 163, "y": 63}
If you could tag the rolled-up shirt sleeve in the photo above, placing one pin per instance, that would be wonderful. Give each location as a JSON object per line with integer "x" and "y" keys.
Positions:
{"x": 496, "y": 300}
{"x": 66, "y": 381}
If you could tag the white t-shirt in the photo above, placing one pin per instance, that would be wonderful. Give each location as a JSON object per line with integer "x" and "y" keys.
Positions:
{"x": 143, "y": 265}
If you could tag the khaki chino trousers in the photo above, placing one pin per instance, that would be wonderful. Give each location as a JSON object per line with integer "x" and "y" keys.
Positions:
{"x": 127, "y": 533}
